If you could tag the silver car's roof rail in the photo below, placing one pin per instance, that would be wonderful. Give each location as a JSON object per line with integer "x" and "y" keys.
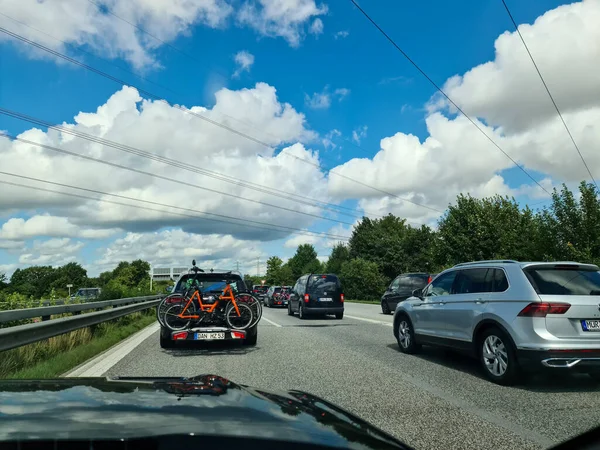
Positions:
{"x": 490, "y": 261}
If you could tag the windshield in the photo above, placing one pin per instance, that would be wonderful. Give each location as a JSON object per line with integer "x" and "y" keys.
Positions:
{"x": 403, "y": 195}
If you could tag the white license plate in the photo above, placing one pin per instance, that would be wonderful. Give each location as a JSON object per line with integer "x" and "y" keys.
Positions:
{"x": 325, "y": 299}
{"x": 590, "y": 325}
{"x": 209, "y": 336}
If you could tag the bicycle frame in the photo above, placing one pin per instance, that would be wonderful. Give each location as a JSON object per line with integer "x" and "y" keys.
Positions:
{"x": 228, "y": 295}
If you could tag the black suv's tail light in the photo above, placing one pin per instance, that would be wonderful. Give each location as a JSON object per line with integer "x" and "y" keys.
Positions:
{"x": 342, "y": 298}
{"x": 306, "y": 298}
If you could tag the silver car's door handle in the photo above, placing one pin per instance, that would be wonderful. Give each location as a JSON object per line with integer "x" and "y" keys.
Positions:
{"x": 441, "y": 303}
{"x": 480, "y": 301}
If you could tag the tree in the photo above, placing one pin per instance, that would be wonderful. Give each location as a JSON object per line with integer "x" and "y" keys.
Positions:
{"x": 3, "y": 281}
{"x": 71, "y": 273}
{"x": 304, "y": 261}
{"x": 274, "y": 265}
{"x": 490, "y": 228}
{"x": 339, "y": 255}
{"x": 32, "y": 281}
{"x": 361, "y": 280}
{"x": 382, "y": 241}
{"x": 570, "y": 229}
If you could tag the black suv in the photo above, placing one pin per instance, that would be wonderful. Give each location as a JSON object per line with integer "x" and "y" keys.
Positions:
{"x": 401, "y": 288}
{"x": 317, "y": 294}
{"x": 211, "y": 284}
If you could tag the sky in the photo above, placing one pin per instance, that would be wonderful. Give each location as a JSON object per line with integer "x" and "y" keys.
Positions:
{"x": 228, "y": 131}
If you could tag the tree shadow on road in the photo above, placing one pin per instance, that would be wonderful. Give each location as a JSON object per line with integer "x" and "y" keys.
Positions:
{"x": 185, "y": 349}
{"x": 543, "y": 381}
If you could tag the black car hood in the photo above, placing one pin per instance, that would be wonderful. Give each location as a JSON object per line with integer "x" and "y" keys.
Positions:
{"x": 127, "y": 408}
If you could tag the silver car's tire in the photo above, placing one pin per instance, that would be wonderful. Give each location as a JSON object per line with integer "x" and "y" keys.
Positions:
{"x": 498, "y": 357}
{"x": 405, "y": 335}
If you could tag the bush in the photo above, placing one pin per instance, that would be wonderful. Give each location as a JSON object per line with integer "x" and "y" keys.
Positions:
{"x": 362, "y": 280}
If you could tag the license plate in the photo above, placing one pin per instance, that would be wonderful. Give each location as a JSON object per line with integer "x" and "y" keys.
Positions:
{"x": 209, "y": 336}
{"x": 590, "y": 325}
{"x": 325, "y": 299}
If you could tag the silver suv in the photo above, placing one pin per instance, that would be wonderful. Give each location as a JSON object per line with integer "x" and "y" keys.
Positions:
{"x": 511, "y": 315}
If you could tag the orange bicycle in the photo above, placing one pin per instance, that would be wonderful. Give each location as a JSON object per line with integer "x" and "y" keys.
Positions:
{"x": 180, "y": 316}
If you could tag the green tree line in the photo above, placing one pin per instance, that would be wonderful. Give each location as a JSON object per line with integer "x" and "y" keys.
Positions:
{"x": 128, "y": 279}
{"x": 471, "y": 229}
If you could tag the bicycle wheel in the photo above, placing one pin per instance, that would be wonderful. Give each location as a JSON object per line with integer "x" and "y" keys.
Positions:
{"x": 160, "y": 311}
{"x": 241, "y": 321}
{"x": 173, "y": 321}
{"x": 254, "y": 305}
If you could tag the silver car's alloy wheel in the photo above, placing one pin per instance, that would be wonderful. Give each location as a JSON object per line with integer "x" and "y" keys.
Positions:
{"x": 404, "y": 334}
{"x": 495, "y": 355}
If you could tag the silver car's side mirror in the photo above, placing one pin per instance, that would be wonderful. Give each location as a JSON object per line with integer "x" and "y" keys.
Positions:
{"x": 418, "y": 293}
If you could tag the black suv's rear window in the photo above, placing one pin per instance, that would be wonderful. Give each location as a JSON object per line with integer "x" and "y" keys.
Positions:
{"x": 555, "y": 281}
{"x": 323, "y": 283}
{"x": 210, "y": 282}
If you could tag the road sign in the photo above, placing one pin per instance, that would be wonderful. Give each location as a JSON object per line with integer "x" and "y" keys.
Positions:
{"x": 69, "y": 285}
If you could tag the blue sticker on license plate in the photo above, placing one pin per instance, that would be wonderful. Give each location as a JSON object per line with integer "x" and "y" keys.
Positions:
{"x": 590, "y": 325}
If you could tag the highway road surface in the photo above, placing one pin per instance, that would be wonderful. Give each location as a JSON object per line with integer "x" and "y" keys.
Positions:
{"x": 432, "y": 400}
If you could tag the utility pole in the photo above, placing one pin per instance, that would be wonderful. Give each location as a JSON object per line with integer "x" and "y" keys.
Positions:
{"x": 257, "y": 267}
{"x": 151, "y": 272}
{"x": 237, "y": 265}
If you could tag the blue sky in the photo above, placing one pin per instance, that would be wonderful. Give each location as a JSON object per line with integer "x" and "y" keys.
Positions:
{"x": 384, "y": 93}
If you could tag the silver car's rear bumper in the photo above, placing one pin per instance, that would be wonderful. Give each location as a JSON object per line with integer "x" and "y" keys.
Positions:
{"x": 568, "y": 363}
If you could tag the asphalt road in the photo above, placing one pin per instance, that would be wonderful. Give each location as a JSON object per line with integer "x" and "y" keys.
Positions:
{"x": 432, "y": 400}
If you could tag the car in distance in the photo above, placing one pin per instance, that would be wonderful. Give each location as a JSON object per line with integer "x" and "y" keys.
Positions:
{"x": 211, "y": 284}
{"x": 401, "y": 288}
{"x": 317, "y": 294}
{"x": 513, "y": 316}
{"x": 260, "y": 291}
{"x": 277, "y": 296}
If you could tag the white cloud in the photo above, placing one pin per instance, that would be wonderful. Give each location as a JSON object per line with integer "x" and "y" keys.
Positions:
{"x": 317, "y": 27}
{"x": 341, "y": 34}
{"x": 455, "y": 157}
{"x": 359, "y": 134}
{"x": 297, "y": 240}
{"x": 244, "y": 61}
{"x": 507, "y": 91}
{"x": 341, "y": 93}
{"x": 175, "y": 247}
{"x": 283, "y": 18}
{"x": 50, "y": 226}
{"x": 328, "y": 138}
{"x": 55, "y": 252}
{"x": 319, "y": 100}
{"x": 168, "y": 132}
{"x": 82, "y": 23}
{"x": 322, "y": 100}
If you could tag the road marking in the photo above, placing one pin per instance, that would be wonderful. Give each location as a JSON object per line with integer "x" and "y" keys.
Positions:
{"x": 271, "y": 322}
{"x": 369, "y": 320}
{"x": 102, "y": 363}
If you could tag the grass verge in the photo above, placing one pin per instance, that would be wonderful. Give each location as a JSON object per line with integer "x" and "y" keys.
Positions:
{"x": 366, "y": 302}
{"x": 55, "y": 356}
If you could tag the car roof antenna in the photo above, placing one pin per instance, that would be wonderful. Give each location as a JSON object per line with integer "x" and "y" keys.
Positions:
{"x": 194, "y": 262}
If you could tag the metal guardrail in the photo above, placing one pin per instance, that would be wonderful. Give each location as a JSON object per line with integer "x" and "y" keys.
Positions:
{"x": 20, "y": 335}
{"x": 74, "y": 308}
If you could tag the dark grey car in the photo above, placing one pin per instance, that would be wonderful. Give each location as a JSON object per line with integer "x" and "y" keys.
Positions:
{"x": 401, "y": 288}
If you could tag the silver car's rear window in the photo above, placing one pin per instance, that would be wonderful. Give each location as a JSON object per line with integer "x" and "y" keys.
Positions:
{"x": 554, "y": 281}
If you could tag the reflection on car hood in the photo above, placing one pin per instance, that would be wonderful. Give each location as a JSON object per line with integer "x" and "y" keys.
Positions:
{"x": 125, "y": 407}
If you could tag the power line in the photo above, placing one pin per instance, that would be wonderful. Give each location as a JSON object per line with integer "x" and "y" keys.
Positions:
{"x": 444, "y": 94}
{"x": 549, "y": 94}
{"x": 186, "y": 166}
{"x": 187, "y": 111}
{"x": 164, "y": 87}
{"x": 106, "y": 9}
{"x": 242, "y": 222}
{"x": 185, "y": 183}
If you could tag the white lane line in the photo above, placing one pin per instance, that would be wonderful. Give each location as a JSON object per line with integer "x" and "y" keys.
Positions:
{"x": 271, "y": 322}
{"x": 102, "y": 363}
{"x": 369, "y": 320}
